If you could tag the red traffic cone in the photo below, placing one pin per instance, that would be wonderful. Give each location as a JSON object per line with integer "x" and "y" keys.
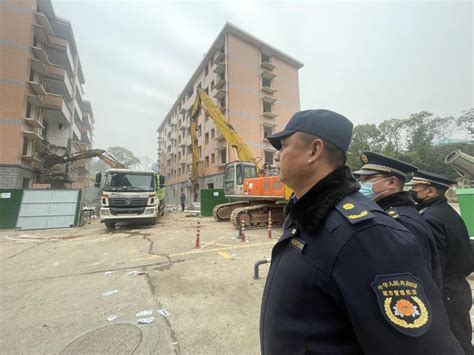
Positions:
{"x": 243, "y": 232}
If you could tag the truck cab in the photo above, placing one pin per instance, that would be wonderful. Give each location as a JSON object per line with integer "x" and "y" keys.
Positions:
{"x": 130, "y": 195}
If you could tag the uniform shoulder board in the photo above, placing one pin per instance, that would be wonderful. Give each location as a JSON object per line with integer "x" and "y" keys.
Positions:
{"x": 353, "y": 211}
{"x": 393, "y": 212}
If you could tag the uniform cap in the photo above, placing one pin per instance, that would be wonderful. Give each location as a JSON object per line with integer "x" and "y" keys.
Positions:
{"x": 429, "y": 178}
{"x": 325, "y": 124}
{"x": 375, "y": 163}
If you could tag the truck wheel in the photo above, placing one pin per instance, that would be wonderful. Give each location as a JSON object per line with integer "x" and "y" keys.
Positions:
{"x": 110, "y": 225}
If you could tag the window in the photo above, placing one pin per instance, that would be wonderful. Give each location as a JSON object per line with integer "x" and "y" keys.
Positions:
{"x": 25, "y": 146}
{"x": 206, "y": 118}
{"x": 266, "y": 82}
{"x": 213, "y": 158}
{"x": 28, "y": 110}
{"x": 206, "y": 70}
{"x": 222, "y": 102}
{"x": 199, "y": 131}
{"x": 213, "y": 133}
{"x": 267, "y": 131}
{"x": 207, "y": 162}
{"x": 200, "y": 152}
{"x": 206, "y": 138}
{"x": 32, "y": 75}
{"x": 210, "y": 186}
{"x": 265, "y": 58}
{"x": 212, "y": 85}
{"x": 267, "y": 107}
{"x": 269, "y": 157}
{"x": 223, "y": 156}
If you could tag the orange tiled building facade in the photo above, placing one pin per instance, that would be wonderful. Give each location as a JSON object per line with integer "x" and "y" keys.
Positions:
{"x": 255, "y": 85}
{"x": 43, "y": 111}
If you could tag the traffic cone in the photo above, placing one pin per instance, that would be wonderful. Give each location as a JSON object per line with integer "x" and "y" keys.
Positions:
{"x": 198, "y": 239}
{"x": 269, "y": 225}
{"x": 243, "y": 232}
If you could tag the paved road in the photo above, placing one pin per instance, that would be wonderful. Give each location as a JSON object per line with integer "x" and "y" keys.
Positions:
{"x": 53, "y": 282}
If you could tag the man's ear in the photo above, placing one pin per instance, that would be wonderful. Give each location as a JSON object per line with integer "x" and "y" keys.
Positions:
{"x": 316, "y": 149}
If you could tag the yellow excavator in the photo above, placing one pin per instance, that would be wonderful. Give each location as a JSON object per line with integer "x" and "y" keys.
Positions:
{"x": 240, "y": 177}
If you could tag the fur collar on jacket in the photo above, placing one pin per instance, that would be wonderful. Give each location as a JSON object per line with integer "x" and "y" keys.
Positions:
{"x": 401, "y": 198}
{"x": 309, "y": 210}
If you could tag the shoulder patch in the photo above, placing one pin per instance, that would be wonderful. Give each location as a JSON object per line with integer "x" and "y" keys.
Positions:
{"x": 393, "y": 212}
{"x": 403, "y": 303}
{"x": 353, "y": 211}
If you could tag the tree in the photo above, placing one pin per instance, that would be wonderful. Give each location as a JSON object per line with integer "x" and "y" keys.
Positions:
{"x": 365, "y": 137}
{"x": 124, "y": 156}
{"x": 467, "y": 121}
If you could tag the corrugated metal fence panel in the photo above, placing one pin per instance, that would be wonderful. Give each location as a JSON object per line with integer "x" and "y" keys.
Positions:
{"x": 42, "y": 209}
{"x": 10, "y": 201}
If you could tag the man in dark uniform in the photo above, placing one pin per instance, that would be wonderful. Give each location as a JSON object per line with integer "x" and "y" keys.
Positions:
{"x": 345, "y": 278}
{"x": 382, "y": 179}
{"x": 452, "y": 239}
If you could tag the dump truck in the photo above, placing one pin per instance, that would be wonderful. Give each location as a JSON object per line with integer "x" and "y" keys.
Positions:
{"x": 130, "y": 196}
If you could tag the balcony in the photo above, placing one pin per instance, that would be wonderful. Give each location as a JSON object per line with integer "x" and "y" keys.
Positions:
{"x": 267, "y": 75}
{"x": 41, "y": 33}
{"x": 220, "y": 94}
{"x": 37, "y": 88}
{"x": 79, "y": 90}
{"x": 35, "y": 100}
{"x": 57, "y": 104}
{"x": 80, "y": 146}
{"x": 57, "y": 81}
{"x": 34, "y": 122}
{"x": 86, "y": 137}
{"x": 219, "y": 69}
{"x": 82, "y": 166}
{"x": 32, "y": 157}
{"x": 86, "y": 121}
{"x": 33, "y": 134}
{"x": 38, "y": 66}
{"x": 268, "y": 90}
{"x": 60, "y": 53}
{"x": 43, "y": 21}
{"x": 269, "y": 114}
{"x": 267, "y": 65}
{"x": 41, "y": 55}
{"x": 220, "y": 83}
{"x": 219, "y": 57}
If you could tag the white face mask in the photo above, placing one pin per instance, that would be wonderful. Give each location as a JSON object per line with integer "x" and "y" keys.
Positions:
{"x": 366, "y": 188}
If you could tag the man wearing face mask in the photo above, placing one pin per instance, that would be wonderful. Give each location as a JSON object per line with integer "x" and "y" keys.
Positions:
{"x": 382, "y": 180}
{"x": 452, "y": 240}
{"x": 345, "y": 278}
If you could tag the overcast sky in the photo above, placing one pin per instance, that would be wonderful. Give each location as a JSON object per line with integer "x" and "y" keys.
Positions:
{"x": 367, "y": 60}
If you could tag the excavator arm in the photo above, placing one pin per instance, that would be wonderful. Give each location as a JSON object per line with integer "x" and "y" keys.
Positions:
{"x": 231, "y": 136}
{"x": 99, "y": 153}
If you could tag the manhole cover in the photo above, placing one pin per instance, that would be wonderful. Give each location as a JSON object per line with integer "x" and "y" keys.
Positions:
{"x": 111, "y": 339}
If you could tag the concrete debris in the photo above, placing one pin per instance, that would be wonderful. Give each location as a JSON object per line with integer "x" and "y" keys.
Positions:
{"x": 163, "y": 312}
{"x": 147, "y": 312}
{"x": 145, "y": 320}
{"x": 136, "y": 272}
{"x": 112, "y": 318}
{"x": 110, "y": 293}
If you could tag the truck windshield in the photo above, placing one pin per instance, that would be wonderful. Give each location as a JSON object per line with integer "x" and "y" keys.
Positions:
{"x": 116, "y": 181}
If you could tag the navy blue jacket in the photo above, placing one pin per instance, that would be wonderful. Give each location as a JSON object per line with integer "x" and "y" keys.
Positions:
{"x": 346, "y": 279}
{"x": 401, "y": 207}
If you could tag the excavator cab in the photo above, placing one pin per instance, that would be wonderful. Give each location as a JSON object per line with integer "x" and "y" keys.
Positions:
{"x": 235, "y": 174}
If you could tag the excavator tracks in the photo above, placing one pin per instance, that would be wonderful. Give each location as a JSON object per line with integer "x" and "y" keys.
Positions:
{"x": 257, "y": 215}
{"x": 223, "y": 211}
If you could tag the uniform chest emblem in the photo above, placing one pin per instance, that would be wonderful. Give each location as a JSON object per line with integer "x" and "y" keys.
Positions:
{"x": 403, "y": 303}
{"x": 298, "y": 244}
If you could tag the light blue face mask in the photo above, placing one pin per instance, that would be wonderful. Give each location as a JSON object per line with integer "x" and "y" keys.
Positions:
{"x": 366, "y": 188}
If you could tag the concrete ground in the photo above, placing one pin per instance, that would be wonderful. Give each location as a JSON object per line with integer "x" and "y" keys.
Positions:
{"x": 53, "y": 282}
